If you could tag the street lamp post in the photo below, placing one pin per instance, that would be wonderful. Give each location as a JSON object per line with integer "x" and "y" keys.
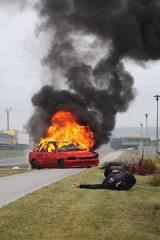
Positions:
{"x": 146, "y": 115}
{"x": 8, "y": 111}
{"x": 157, "y": 141}
{"x": 141, "y": 130}
{"x": 141, "y": 137}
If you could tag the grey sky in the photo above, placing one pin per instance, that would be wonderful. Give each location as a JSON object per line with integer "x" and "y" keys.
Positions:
{"x": 147, "y": 84}
{"x": 19, "y": 66}
{"x": 21, "y": 73}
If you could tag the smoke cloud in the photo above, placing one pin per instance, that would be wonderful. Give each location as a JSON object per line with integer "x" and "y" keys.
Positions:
{"x": 18, "y": 3}
{"x": 98, "y": 86}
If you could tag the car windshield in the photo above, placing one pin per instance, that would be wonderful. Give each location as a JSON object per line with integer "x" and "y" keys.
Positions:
{"x": 70, "y": 147}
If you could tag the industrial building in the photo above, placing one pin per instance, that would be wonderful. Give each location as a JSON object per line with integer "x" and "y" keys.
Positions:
{"x": 6, "y": 138}
{"x": 9, "y": 141}
{"x": 128, "y": 142}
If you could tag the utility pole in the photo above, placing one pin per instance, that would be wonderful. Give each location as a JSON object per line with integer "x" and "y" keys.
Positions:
{"x": 146, "y": 115}
{"x": 157, "y": 141}
{"x": 8, "y": 111}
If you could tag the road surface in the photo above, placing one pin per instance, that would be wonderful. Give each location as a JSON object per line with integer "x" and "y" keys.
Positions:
{"x": 109, "y": 157}
{"x": 14, "y": 161}
{"x": 16, "y": 186}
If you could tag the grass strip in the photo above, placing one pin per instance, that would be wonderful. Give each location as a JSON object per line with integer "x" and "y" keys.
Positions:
{"x": 129, "y": 156}
{"x": 5, "y": 173}
{"x": 5, "y": 154}
{"x": 60, "y": 212}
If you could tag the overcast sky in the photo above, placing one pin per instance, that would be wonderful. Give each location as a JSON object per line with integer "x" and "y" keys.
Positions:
{"x": 21, "y": 74}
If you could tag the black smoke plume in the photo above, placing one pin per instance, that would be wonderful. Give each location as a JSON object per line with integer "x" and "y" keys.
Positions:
{"x": 97, "y": 87}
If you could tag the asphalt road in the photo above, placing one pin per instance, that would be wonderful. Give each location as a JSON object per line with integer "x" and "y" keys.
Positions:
{"x": 14, "y": 161}
{"x": 109, "y": 157}
{"x": 16, "y": 186}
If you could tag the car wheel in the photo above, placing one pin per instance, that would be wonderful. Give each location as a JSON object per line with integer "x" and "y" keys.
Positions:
{"x": 34, "y": 165}
{"x": 61, "y": 164}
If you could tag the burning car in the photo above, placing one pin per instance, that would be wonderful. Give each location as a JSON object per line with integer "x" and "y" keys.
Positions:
{"x": 66, "y": 144}
{"x": 52, "y": 155}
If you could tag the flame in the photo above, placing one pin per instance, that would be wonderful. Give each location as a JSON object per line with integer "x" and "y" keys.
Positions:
{"x": 66, "y": 130}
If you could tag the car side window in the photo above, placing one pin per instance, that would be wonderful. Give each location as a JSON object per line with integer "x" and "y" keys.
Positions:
{"x": 51, "y": 147}
{"x": 43, "y": 148}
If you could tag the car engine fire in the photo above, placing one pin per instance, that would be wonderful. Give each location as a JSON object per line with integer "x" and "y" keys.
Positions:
{"x": 66, "y": 144}
{"x": 65, "y": 128}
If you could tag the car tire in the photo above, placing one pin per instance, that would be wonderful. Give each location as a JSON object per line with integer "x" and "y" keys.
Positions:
{"x": 34, "y": 165}
{"x": 61, "y": 164}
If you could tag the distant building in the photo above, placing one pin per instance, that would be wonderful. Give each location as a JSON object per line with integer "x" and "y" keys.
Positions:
{"x": 14, "y": 135}
{"x": 9, "y": 141}
{"x": 128, "y": 142}
{"x": 5, "y": 138}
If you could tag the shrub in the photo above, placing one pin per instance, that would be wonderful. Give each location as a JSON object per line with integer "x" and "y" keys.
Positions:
{"x": 145, "y": 166}
{"x": 146, "y": 169}
{"x": 155, "y": 180}
{"x": 150, "y": 161}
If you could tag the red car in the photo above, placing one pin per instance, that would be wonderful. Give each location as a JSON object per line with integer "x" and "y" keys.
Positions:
{"x": 49, "y": 155}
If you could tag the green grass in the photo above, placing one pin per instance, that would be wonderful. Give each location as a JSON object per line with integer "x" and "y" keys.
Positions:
{"x": 4, "y": 154}
{"x": 60, "y": 212}
{"x": 5, "y": 173}
{"x": 155, "y": 179}
{"x": 132, "y": 156}
{"x": 129, "y": 156}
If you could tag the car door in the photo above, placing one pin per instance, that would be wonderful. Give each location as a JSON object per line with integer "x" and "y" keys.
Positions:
{"x": 51, "y": 156}
{"x": 41, "y": 155}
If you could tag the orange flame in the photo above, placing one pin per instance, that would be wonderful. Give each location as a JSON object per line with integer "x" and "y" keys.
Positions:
{"x": 65, "y": 130}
